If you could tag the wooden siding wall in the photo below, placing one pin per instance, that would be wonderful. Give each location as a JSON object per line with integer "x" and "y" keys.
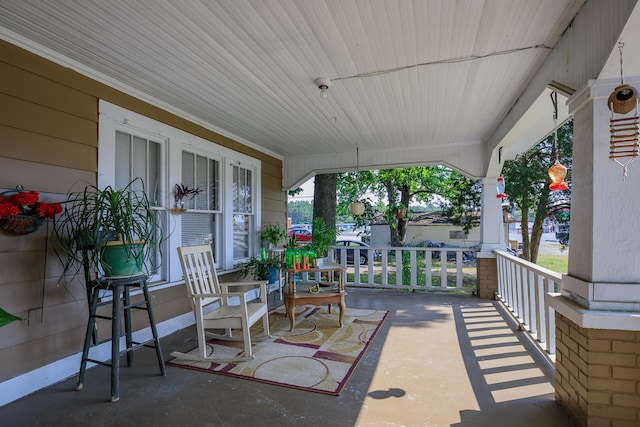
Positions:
{"x": 48, "y": 143}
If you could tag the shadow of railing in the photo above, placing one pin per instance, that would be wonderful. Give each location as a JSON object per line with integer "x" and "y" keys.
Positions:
{"x": 512, "y": 382}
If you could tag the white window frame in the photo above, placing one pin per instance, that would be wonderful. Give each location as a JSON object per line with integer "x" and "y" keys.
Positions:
{"x": 113, "y": 118}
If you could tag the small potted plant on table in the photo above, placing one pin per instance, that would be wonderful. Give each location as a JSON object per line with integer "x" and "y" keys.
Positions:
{"x": 322, "y": 236}
{"x": 273, "y": 235}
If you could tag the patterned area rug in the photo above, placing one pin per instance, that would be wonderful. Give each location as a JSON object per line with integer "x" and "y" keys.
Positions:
{"x": 316, "y": 356}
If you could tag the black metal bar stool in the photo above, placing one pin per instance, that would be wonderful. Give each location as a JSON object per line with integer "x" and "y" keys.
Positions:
{"x": 120, "y": 294}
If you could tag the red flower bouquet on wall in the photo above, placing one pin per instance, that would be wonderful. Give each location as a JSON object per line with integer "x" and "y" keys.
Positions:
{"x": 22, "y": 212}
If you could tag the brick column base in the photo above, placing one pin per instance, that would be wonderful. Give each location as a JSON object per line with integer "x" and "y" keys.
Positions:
{"x": 598, "y": 374}
{"x": 487, "y": 277}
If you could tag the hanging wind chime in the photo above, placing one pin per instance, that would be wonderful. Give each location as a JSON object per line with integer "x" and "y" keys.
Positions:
{"x": 557, "y": 172}
{"x": 357, "y": 207}
{"x": 624, "y": 130}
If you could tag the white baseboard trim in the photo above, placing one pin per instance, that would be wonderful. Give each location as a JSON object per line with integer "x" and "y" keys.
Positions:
{"x": 60, "y": 370}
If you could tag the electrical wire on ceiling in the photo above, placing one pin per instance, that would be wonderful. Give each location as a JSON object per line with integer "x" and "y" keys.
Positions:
{"x": 442, "y": 61}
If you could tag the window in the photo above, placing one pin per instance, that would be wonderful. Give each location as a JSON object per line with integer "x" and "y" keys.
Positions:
{"x": 226, "y": 212}
{"x": 201, "y": 223}
{"x": 242, "y": 212}
{"x": 139, "y": 157}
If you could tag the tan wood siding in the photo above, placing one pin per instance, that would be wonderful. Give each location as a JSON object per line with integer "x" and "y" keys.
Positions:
{"x": 49, "y": 143}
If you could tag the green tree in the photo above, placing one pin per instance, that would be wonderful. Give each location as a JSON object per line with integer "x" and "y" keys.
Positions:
{"x": 527, "y": 185}
{"x": 300, "y": 211}
{"x": 399, "y": 187}
{"x": 461, "y": 198}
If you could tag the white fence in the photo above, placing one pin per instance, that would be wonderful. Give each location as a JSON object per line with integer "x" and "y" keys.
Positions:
{"x": 523, "y": 288}
{"x": 410, "y": 268}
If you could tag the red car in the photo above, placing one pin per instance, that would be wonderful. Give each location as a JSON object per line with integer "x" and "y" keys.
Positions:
{"x": 302, "y": 235}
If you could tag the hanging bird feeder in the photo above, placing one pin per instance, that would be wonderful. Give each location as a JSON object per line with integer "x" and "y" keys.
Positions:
{"x": 501, "y": 188}
{"x": 557, "y": 172}
{"x": 625, "y": 131}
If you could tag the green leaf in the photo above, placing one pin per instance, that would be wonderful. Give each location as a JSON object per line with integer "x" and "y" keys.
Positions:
{"x": 6, "y": 318}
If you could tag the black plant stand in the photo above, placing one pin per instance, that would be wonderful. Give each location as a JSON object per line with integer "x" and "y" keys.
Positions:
{"x": 120, "y": 291}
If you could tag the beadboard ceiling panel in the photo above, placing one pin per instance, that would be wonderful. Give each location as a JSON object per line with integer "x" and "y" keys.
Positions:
{"x": 405, "y": 74}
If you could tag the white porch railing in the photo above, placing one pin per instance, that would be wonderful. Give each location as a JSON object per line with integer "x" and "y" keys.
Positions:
{"x": 522, "y": 288}
{"x": 411, "y": 268}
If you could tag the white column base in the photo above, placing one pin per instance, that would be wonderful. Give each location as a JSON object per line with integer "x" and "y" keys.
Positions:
{"x": 602, "y": 295}
{"x": 594, "y": 319}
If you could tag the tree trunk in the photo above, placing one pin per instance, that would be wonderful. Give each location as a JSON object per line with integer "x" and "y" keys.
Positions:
{"x": 393, "y": 229}
{"x": 538, "y": 223}
{"x": 524, "y": 228}
{"x": 402, "y": 222}
{"x": 324, "y": 198}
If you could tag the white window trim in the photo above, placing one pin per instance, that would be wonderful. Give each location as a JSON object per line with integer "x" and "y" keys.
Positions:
{"x": 113, "y": 117}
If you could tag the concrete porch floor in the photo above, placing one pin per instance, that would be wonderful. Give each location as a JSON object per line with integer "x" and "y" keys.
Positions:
{"x": 439, "y": 360}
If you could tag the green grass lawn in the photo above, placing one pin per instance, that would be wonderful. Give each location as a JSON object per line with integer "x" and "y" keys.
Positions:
{"x": 558, "y": 263}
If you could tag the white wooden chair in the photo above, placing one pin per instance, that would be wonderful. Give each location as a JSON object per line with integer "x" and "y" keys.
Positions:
{"x": 210, "y": 303}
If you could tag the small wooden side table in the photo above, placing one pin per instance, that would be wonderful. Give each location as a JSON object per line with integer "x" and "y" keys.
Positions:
{"x": 331, "y": 292}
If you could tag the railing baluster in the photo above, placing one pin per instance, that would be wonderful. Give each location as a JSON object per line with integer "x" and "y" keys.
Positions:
{"x": 524, "y": 289}
{"x": 428, "y": 265}
{"x": 459, "y": 270}
{"x": 385, "y": 267}
{"x": 443, "y": 269}
{"x": 414, "y": 270}
{"x": 398, "y": 267}
{"x": 356, "y": 266}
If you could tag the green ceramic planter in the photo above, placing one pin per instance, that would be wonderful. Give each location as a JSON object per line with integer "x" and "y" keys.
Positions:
{"x": 119, "y": 259}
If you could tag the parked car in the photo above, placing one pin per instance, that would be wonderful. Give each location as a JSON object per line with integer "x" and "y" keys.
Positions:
{"x": 302, "y": 234}
{"x": 451, "y": 255}
{"x": 364, "y": 253}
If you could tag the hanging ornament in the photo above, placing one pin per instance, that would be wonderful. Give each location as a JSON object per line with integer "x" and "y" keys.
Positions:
{"x": 557, "y": 172}
{"x": 501, "y": 188}
{"x": 625, "y": 131}
{"x": 357, "y": 207}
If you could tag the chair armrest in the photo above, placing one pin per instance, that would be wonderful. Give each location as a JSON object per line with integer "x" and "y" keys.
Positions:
{"x": 219, "y": 295}
{"x": 262, "y": 284}
{"x": 253, "y": 282}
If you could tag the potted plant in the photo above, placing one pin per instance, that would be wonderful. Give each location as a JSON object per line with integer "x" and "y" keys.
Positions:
{"x": 22, "y": 212}
{"x": 114, "y": 231}
{"x": 273, "y": 234}
{"x": 260, "y": 268}
{"x": 322, "y": 236}
{"x": 180, "y": 193}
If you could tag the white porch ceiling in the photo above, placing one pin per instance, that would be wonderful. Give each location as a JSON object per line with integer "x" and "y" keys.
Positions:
{"x": 413, "y": 82}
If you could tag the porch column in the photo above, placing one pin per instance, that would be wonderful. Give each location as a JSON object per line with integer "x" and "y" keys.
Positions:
{"x": 598, "y": 308}
{"x": 491, "y": 237}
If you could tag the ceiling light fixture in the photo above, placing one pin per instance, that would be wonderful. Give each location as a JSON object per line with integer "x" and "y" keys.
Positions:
{"x": 323, "y": 84}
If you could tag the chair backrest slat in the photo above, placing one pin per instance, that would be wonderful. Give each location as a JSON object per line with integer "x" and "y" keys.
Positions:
{"x": 198, "y": 268}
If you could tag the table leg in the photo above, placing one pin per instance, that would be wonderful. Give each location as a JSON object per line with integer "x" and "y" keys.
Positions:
{"x": 342, "y": 306}
{"x": 290, "y": 307}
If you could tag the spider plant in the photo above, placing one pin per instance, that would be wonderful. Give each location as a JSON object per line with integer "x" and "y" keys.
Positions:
{"x": 97, "y": 221}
